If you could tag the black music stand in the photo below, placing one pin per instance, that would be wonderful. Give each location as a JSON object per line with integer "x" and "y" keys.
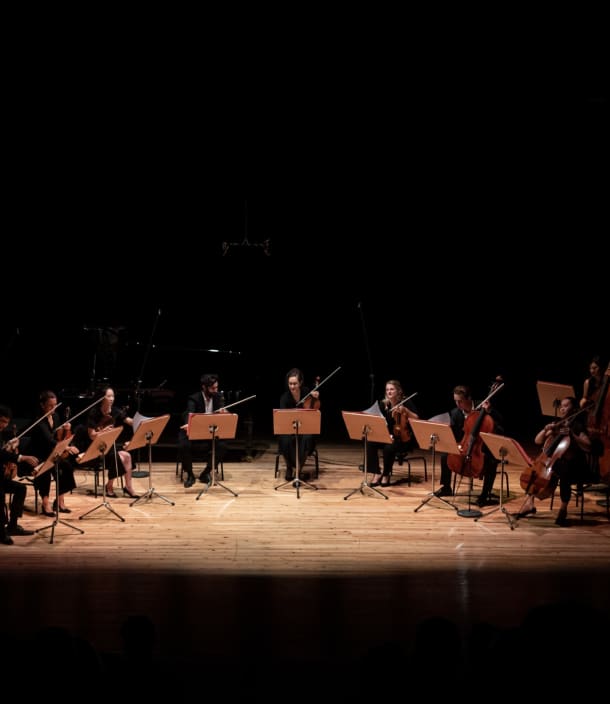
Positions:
{"x": 297, "y": 422}
{"x": 366, "y": 427}
{"x": 211, "y": 426}
{"x": 435, "y": 436}
{"x": 509, "y": 452}
{"x": 148, "y": 432}
{"x": 550, "y": 396}
{"x": 53, "y": 459}
{"x": 98, "y": 449}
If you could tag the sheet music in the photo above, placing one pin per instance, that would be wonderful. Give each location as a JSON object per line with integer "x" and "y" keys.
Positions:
{"x": 441, "y": 418}
{"x": 375, "y": 410}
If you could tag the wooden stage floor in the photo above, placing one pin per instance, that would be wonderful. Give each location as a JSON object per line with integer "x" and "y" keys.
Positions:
{"x": 282, "y": 576}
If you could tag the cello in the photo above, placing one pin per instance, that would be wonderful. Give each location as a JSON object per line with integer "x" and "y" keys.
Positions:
{"x": 540, "y": 480}
{"x": 471, "y": 460}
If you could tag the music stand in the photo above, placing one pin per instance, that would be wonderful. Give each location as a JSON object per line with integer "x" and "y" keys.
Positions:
{"x": 509, "y": 452}
{"x": 98, "y": 449}
{"x": 53, "y": 459}
{"x": 550, "y": 396}
{"x": 366, "y": 427}
{"x": 296, "y": 421}
{"x": 147, "y": 433}
{"x": 211, "y": 426}
{"x": 433, "y": 435}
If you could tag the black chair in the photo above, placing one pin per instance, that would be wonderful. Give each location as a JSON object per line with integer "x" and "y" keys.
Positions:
{"x": 405, "y": 456}
{"x": 203, "y": 459}
{"x": 313, "y": 453}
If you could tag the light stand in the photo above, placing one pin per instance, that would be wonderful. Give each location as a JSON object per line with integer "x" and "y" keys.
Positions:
{"x": 53, "y": 459}
{"x": 508, "y": 451}
{"x": 366, "y": 427}
{"x": 297, "y": 422}
{"x": 210, "y": 426}
{"x": 147, "y": 432}
{"x": 99, "y": 448}
{"x": 434, "y": 436}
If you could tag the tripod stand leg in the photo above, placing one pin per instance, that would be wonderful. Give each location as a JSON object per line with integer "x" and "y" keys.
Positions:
{"x": 512, "y": 521}
{"x": 431, "y": 496}
{"x": 148, "y": 496}
{"x": 57, "y": 519}
{"x": 105, "y": 505}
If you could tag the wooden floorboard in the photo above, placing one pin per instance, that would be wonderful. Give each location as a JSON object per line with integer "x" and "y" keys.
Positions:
{"x": 294, "y": 575}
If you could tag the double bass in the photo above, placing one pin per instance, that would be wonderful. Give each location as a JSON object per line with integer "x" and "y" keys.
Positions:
{"x": 471, "y": 460}
{"x": 598, "y": 426}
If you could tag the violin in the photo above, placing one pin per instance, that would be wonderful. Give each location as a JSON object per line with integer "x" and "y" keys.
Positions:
{"x": 471, "y": 460}
{"x": 64, "y": 432}
{"x": 10, "y": 468}
{"x": 310, "y": 401}
{"x": 402, "y": 428}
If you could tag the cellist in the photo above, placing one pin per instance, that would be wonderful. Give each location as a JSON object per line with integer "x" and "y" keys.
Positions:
{"x": 571, "y": 465}
{"x": 458, "y": 417}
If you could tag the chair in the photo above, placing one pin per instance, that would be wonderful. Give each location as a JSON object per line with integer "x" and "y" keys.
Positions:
{"x": 578, "y": 492}
{"x": 313, "y": 453}
{"x": 180, "y": 471}
{"x": 404, "y": 456}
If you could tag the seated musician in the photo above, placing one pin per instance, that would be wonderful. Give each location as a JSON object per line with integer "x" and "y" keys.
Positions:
{"x": 566, "y": 446}
{"x": 397, "y": 411}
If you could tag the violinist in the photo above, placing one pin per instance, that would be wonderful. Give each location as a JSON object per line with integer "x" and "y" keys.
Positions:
{"x": 292, "y": 397}
{"x": 464, "y": 408}
{"x": 571, "y": 465}
{"x": 10, "y": 457}
{"x": 43, "y": 438}
{"x": 397, "y": 411}
{"x": 103, "y": 416}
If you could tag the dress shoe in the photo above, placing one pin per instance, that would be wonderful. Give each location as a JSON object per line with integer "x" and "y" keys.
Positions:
{"x": 189, "y": 481}
{"x": 110, "y": 493}
{"x": 6, "y": 540}
{"x": 487, "y": 501}
{"x": 18, "y": 530}
{"x": 386, "y": 482}
{"x": 444, "y": 491}
{"x": 126, "y": 492}
{"x": 523, "y": 514}
{"x": 63, "y": 509}
{"x": 45, "y": 512}
{"x": 205, "y": 477}
{"x": 562, "y": 517}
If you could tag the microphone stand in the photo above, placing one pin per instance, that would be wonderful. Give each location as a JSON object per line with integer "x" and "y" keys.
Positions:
{"x": 141, "y": 473}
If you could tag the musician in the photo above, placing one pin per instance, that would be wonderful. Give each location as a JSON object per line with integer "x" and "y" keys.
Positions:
{"x": 464, "y": 406}
{"x": 294, "y": 393}
{"x": 43, "y": 438}
{"x": 208, "y": 400}
{"x": 572, "y": 466}
{"x": 10, "y": 457}
{"x": 397, "y": 411}
{"x": 105, "y": 415}
{"x": 593, "y": 382}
